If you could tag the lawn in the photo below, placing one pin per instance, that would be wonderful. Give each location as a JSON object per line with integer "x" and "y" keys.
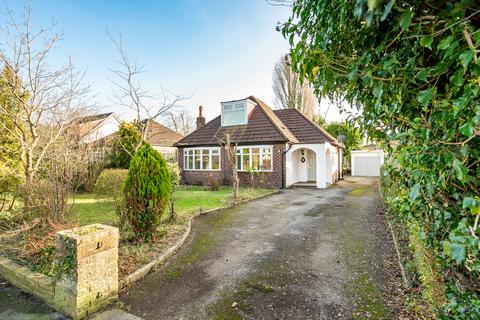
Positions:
{"x": 88, "y": 208}
{"x": 91, "y": 208}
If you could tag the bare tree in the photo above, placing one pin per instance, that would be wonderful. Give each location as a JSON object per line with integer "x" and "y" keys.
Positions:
{"x": 290, "y": 92}
{"x": 47, "y": 99}
{"x": 231, "y": 151}
{"x": 181, "y": 121}
{"x": 128, "y": 92}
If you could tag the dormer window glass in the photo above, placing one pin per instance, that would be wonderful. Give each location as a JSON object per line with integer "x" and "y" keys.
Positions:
{"x": 234, "y": 113}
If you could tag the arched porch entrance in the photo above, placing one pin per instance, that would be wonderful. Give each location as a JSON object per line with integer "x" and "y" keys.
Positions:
{"x": 304, "y": 167}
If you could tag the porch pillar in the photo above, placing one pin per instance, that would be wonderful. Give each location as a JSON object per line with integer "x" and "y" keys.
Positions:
{"x": 321, "y": 166}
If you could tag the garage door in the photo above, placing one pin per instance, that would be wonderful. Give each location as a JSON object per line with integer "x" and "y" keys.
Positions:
{"x": 366, "y": 166}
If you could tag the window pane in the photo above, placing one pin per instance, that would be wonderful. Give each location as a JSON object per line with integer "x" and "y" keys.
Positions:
{"x": 239, "y": 162}
{"x": 215, "y": 162}
{"x": 205, "y": 161}
{"x": 246, "y": 161}
{"x": 234, "y": 117}
{"x": 246, "y": 151}
{"x": 255, "y": 162}
{"x": 215, "y": 151}
{"x": 190, "y": 162}
{"x": 197, "y": 159}
{"x": 266, "y": 159}
{"x": 238, "y": 106}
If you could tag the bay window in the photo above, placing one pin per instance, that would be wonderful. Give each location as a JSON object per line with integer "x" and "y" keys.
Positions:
{"x": 201, "y": 158}
{"x": 257, "y": 158}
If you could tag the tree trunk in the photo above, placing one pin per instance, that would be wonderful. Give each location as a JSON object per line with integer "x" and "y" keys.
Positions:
{"x": 235, "y": 184}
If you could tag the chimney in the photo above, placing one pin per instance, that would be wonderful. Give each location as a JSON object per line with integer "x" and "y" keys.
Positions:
{"x": 200, "y": 118}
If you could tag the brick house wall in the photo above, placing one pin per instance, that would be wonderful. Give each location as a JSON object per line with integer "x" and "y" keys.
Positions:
{"x": 270, "y": 179}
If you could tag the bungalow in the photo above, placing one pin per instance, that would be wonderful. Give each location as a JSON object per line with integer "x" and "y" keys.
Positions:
{"x": 274, "y": 148}
{"x": 100, "y": 131}
{"x": 161, "y": 138}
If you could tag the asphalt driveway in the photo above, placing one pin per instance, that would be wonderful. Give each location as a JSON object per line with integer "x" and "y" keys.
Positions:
{"x": 298, "y": 254}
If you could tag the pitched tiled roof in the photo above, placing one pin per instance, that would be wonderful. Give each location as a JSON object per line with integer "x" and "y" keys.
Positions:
{"x": 88, "y": 124}
{"x": 264, "y": 126}
{"x": 159, "y": 135}
{"x": 304, "y": 129}
{"x": 284, "y": 130}
{"x": 94, "y": 117}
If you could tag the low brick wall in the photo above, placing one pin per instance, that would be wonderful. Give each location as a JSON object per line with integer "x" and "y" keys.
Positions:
{"x": 32, "y": 282}
{"x": 90, "y": 256}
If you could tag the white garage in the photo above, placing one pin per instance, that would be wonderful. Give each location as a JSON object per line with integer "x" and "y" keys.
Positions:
{"x": 366, "y": 162}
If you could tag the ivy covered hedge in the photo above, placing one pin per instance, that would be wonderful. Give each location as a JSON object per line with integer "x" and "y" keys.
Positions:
{"x": 413, "y": 68}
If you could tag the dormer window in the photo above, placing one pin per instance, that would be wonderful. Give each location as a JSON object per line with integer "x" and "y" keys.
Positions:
{"x": 234, "y": 113}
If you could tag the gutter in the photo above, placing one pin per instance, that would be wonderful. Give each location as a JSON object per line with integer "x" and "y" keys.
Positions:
{"x": 283, "y": 164}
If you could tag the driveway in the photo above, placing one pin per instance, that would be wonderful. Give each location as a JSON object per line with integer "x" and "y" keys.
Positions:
{"x": 298, "y": 254}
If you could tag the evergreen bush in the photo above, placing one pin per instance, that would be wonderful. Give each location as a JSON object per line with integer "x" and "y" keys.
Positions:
{"x": 147, "y": 191}
{"x": 127, "y": 140}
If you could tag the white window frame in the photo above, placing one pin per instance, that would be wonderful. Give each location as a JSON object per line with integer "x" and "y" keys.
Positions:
{"x": 201, "y": 149}
{"x": 239, "y": 149}
{"x": 233, "y": 103}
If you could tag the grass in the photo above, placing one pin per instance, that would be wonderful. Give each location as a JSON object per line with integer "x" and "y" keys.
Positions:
{"x": 91, "y": 208}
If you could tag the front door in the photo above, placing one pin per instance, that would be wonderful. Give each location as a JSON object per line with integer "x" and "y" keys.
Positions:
{"x": 303, "y": 165}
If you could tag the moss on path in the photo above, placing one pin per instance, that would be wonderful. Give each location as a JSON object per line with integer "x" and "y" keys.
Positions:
{"x": 300, "y": 254}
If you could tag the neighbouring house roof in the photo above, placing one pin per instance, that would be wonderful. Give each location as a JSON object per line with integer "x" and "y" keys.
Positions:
{"x": 87, "y": 125}
{"x": 94, "y": 117}
{"x": 264, "y": 126}
{"x": 159, "y": 135}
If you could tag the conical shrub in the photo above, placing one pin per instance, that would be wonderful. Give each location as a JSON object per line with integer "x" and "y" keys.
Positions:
{"x": 147, "y": 191}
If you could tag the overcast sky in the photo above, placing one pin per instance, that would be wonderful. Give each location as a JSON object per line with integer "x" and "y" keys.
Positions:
{"x": 211, "y": 50}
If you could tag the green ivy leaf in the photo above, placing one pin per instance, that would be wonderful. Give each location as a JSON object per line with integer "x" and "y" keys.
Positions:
{"x": 426, "y": 96}
{"x": 387, "y": 10}
{"x": 415, "y": 192}
{"x": 445, "y": 43}
{"x": 422, "y": 75}
{"x": 371, "y": 4}
{"x": 467, "y": 129}
{"x": 426, "y": 42}
{"x": 461, "y": 172}
{"x": 457, "y": 77}
{"x": 466, "y": 58}
{"x": 469, "y": 202}
{"x": 458, "y": 252}
{"x": 406, "y": 19}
